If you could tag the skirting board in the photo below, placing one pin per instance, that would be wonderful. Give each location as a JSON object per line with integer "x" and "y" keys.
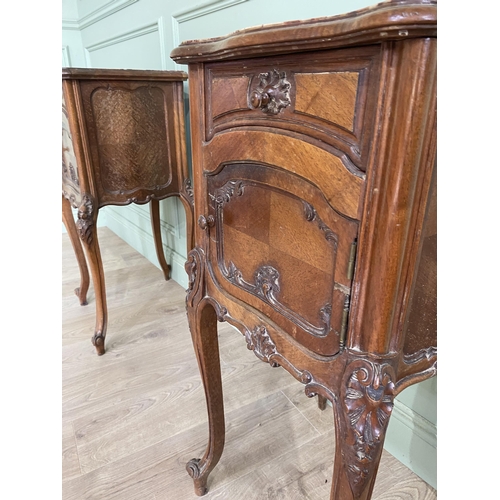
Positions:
{"x": 412, "y": 439}
{"x": 143, "y": 242}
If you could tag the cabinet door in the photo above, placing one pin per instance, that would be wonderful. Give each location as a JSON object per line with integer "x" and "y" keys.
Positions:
{"x": 279, "y": 246}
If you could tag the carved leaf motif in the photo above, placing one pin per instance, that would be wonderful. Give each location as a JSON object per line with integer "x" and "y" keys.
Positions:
{"x": 225, "y": 193}
{"x": 261, "y": 343}
{"x": 85, "y": 223}
{"x": 272, "y": 94}
{"x": 189, "y": 189}
{"x": 267, "y": 281}
{"x": 312, "y": 216}
{"x": 368, "y": 403}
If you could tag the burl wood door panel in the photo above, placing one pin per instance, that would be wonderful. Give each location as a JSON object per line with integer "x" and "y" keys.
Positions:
{"x": 279, "y": 246}
{"x": 132, "y": 138}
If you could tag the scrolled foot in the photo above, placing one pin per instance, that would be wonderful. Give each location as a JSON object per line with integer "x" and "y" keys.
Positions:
{"x": 83, "y": 300}
{"x": 98, "y": 343}
{"x": 195, "y": 471}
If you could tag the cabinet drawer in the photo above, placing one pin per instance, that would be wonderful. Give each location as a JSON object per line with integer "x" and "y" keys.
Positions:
{"x": 323, "y": 94}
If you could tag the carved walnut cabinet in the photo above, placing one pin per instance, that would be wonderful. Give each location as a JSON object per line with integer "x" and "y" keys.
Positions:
{"x": 123, "y": 141}
{"x": 314, "y": 147}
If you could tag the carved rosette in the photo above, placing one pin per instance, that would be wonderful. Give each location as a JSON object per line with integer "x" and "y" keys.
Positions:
{"x": 85, "y": 221}
{"x": 272, "y": 94}
{"x": 367, "y": 405}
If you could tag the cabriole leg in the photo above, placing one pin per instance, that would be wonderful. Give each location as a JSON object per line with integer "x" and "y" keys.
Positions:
{"x": 154, "y": 210}
{"x": 203, "y": 325}
{"x": 69, "y": 223}
{"x": 86, "y": 226}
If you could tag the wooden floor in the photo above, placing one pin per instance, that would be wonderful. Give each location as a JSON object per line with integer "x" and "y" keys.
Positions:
{"x": 133, "y": 417}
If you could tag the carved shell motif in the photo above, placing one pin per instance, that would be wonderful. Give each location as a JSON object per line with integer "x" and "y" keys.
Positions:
{"x": 369, "y": 400}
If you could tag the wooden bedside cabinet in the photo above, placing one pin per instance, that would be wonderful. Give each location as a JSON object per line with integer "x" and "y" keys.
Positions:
{"x": 123, "y": 141}
{"x": 314, "y": 146}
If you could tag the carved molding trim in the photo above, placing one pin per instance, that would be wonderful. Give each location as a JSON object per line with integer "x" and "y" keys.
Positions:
{"x": 367, "y": 404}
{"x": 312, "y": 216}
{"x": 194, "y": 267}
{"x": 427, "y": 354}
{"x": 224, "y": 194}
{"x": 272, "y": 94}
{"x": 266, "y": 284}
{"x": 85, "y": 221}
{"x": 259, "y": 341}
{"x": 188, "y": 188}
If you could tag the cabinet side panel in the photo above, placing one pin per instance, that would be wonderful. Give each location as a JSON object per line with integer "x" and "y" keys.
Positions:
{"x": 421, "y": 323}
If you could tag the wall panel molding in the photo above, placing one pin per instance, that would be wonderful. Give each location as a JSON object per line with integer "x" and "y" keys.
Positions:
{"x": 66, "y": 60}
{"x": 157, "y": 26}
{"x": 198, "y": 11}
{"x": 70, "y": 24}
{"x": 104, "y": 11}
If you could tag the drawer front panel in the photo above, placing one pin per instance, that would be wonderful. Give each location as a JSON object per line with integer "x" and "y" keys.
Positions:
{"x": 325, "y": 95}
{"x": 279, "y": 246}
{"x": 70, "y": 179}
{"x": 322, "y": 168}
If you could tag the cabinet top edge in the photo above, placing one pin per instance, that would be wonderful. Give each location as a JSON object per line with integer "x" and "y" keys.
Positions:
{"x": 122, "y": 74}
{"x": 393, "y": 20}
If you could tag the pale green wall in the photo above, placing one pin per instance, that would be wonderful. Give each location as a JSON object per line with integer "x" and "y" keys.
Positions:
{"x": 140, "y": 34}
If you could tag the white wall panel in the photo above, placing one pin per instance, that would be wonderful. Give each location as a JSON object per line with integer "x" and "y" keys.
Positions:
{"x": 140, "y": 48}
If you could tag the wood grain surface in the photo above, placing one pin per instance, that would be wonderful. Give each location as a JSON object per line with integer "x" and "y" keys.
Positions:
{"x": 132, "y": 419}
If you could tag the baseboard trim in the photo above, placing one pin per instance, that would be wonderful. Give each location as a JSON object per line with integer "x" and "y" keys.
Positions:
{"x": 412, "y": 439}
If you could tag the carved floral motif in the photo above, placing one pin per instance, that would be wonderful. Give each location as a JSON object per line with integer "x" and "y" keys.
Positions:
{"x": 259, "y": 341}
{"x": 272, "y": 93}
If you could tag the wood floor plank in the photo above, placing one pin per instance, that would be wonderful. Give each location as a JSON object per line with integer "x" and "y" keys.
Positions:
{"x": 134, "y": 417}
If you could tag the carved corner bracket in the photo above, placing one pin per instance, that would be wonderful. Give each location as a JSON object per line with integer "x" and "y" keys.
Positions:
{"x": 366, "y": 403}
{"x": 85, "y": 221}
{"x": 194, "y": 267}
